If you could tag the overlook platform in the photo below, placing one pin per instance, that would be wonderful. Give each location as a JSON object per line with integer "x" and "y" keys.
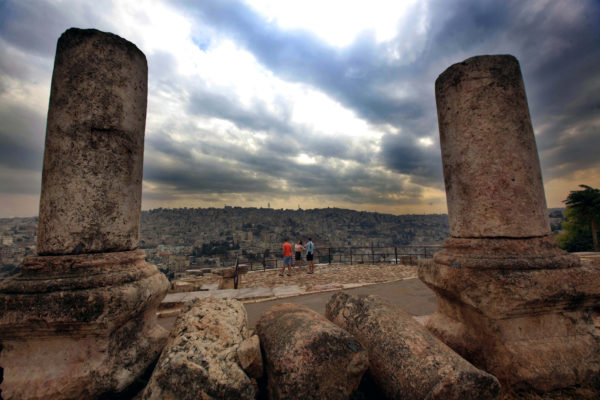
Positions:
{"x": 259, "y": 286}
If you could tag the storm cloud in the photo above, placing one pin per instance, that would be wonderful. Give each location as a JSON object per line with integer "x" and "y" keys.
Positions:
{"x": 243, "y": 110}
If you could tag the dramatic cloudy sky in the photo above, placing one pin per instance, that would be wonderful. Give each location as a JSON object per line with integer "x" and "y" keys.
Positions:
{"x": 311, "y": 103}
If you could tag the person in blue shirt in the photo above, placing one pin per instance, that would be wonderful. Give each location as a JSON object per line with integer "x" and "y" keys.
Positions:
{"x": 310, "y": 250}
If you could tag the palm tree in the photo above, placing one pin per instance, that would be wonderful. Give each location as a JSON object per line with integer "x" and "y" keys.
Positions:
{"x": 585, "y": 207}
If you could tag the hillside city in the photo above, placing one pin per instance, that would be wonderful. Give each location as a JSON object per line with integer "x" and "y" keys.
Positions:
{"x": 179, "y": 239}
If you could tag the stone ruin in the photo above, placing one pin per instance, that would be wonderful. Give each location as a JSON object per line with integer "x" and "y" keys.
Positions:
{"x": 80, "y": 320}
{"x": 509, "y": 300}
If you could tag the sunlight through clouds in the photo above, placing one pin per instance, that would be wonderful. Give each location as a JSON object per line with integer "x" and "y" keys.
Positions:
{"x": 230, "y": 71}
{"x": 154, "y": 26}
{"x": 304, "y": 158}
{"x": 319, "y": 103}
{"x": 338, "y": 22}
{"x": 426, "y": 142}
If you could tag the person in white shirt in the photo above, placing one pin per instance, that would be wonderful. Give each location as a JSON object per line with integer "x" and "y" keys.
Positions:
{"x": 310, "y": 250}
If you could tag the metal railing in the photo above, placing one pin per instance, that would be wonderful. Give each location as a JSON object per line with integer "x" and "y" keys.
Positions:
{"x": 407, "y": 255}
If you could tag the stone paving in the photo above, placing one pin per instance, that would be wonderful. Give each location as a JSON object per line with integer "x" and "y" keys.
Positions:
{"x": 325, "y": 274}
{"x": 263, "y": 285}
{"x": 328, "y": 275}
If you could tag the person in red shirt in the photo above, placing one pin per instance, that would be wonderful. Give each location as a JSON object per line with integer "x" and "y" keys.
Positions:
{"x": 287, "y": 258}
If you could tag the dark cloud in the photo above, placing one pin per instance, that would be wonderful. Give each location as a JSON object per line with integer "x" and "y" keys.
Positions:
{"x": 35, "y": 26}
{"x": 463, "y": 25}
{"x": 331, "y": 147}
{"x": 353, "y": 75}
{"x": 580, "y": 149}
{"x": 563, "y": 86}
{"x": 236, "y": 170}
{"x": 15, "y": 154}
{"x": 21, "y": 22}
{"x": 558, "y": 51}
{"x": 20, "y": 182}
{"x": 359, "y": 77}
{"x": 388, "y": 84}
{"x": 21, "y": 137}
{"x": 285, "y": 136}
{"x": 423, "y": 164}
{"x": 226, "y": 106}
{"x": 22, "y": 66}
{"x": 355, "y": 185}
{"x": 557, "y": 46}
{"x": 205, "y": 175}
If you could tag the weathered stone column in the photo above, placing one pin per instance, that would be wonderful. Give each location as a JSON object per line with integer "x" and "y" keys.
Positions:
{"x": 492, "y": 172}
{"x": 93, "y": 159}
{"x": 509, "y": 300}
{"x": 80, "y": 320}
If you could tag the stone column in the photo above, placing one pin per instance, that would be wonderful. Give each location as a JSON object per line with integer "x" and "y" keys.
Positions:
{"x": 509, "y": 300}
{"x": 492, "y": 172}
{"x": 80, "y": 320}
{"x": 93, "y": 158}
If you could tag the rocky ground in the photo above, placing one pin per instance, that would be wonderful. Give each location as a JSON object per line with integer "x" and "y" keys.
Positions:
{"x": 332, "y": 277}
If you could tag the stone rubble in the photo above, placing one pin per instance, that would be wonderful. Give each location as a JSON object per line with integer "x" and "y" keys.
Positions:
{"x": 202, "y": 356}
{"x": 406, "y": 361}
{"x": 250, "y": 357}
{"x": 307, "y": 356}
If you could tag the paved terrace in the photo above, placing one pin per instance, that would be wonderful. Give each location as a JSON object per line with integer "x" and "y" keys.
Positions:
{"x": 327, "y": 275}
{"x": 260, "y": 290}
{"x": 264, "y": 285}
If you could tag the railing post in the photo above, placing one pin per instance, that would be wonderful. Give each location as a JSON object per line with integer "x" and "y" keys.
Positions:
{"x": 235, "y": 273}
{"x": 396, "y": 254}
{"x": 350, "y": 255}
{"x": 329, "y": 257}
{"x": 372, "y": 254}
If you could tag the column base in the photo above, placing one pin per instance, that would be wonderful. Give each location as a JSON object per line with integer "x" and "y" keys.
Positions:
{"x": 505, "y": 253}
{"x": 78, "y": 326}
{"x": 534, "y": 329}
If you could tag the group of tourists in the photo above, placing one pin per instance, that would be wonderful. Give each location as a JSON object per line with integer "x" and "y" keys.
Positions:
{"x": 298, "y": 249}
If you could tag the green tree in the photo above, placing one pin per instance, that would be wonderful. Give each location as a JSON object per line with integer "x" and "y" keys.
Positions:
{"x": 583, "y": 214}
{"x": 574, "y": 236}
